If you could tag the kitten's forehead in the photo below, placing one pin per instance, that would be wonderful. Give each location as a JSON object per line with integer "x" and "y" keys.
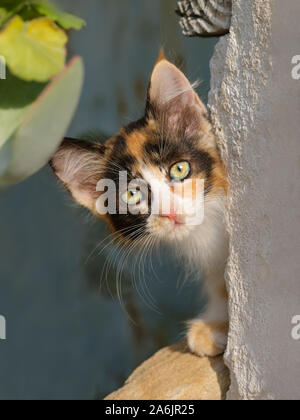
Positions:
{"x": 142, "y": 145}
{"x": 136, "y": 140}
{"x": 127, "y": 147}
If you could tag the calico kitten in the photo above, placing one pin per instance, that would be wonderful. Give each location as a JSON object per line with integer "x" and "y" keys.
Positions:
{"x": 172, "y": 144}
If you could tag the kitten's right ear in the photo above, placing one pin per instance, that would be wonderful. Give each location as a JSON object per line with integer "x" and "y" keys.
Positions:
{"x": 173, "y": 101}
{"x": 79, "y": 165}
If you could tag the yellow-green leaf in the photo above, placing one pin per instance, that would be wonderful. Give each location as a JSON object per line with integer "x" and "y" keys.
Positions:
{"x": 66, "y": 20}
{"x": 34, "y": 50}
{"x": 43, "y": 126}
{"x": 3, "y": 15}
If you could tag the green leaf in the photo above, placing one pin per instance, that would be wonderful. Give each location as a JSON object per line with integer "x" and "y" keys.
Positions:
{"x": 5, "y": 157}
{"x": 15, "y": 98}
{"x": 10, "y": 121}
{"x": 44, "y": 125}
{"x": 11, "y": 7}
{"x": 11, "y": 4}
{"x": 65, "y": 20}
{"x": 4, "y": 14}
{"x": 35, "y": 50}
{"x": 30, "y": 9}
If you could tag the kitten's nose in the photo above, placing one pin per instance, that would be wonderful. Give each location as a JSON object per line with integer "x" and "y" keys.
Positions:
{"x": 171, "y": 215}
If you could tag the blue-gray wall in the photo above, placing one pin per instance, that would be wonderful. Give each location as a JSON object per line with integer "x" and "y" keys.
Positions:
{"x": 66, "y": 338}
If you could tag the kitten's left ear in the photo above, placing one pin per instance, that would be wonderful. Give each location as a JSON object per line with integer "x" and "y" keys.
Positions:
{"x": 79, "y": 166}
{"x": 171, "y": 92}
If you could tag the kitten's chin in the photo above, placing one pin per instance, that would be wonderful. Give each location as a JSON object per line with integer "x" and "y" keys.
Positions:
{"x": 169, "y": 231}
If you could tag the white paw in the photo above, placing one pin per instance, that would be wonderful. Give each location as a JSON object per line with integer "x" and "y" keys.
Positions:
{"x": 207, "y": 338}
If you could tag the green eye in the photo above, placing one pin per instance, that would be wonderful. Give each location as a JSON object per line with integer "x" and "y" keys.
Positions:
{"x": 180, "y": 171}
{"x": 132, "y": 197}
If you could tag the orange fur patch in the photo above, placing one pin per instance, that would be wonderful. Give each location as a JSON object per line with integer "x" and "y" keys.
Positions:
{"x": 202, "y": 337}
{"x": 161, "y": 56}
{"x": 223, "y": 292}
{"x": 135, "y": 142}
{"x": 219, "y": 178}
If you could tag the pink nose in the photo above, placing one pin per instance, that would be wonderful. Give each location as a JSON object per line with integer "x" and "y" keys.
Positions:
{"x": 172, "y": 216}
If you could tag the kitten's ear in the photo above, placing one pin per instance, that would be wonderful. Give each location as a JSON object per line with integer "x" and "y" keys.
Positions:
{"x": 79, "y": 165}
{"x": 171, "y": 91}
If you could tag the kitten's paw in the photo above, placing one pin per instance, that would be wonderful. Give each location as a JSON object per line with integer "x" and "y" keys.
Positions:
{"x": 207, "y": 338}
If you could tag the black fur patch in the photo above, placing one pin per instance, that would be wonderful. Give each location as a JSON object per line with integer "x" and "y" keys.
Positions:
{"x": 130, "y": 226}
{"x": 167, "y": 152}
{"x": 135, "y": 126}
{"x": 89, "y": 146}
{"x": 119, "y": 160}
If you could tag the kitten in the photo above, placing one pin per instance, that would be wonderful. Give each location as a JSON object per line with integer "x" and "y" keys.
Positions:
{"x": 173, "y": 144}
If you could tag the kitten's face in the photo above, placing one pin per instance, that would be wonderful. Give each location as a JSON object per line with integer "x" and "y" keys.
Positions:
{"x": 169, "y": 157}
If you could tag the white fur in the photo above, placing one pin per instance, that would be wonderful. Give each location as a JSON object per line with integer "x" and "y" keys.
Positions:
{"x": 204, "y": 247}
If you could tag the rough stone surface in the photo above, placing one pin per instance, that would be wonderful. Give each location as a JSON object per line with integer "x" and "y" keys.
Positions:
{"x": 255, "y": 107}
{"x": 175, "y": 374}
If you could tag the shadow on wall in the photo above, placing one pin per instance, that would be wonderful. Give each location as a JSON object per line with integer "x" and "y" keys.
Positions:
{"x": 67, "y": 338}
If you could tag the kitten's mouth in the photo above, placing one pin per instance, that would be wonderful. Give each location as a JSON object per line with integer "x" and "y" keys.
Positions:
{"x": 173, "y": 218}
{"x": 169, "y": 229}
{"x": 174, "y": 223}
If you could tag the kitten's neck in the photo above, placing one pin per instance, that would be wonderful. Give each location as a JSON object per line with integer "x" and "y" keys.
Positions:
{"x": 208, "y": 243}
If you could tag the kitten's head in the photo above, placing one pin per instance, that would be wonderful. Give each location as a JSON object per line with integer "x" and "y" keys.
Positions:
{"x": 169, "y": 157}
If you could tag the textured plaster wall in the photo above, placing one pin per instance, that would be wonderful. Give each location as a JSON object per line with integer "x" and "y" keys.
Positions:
{"x": 255, "y": 106}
